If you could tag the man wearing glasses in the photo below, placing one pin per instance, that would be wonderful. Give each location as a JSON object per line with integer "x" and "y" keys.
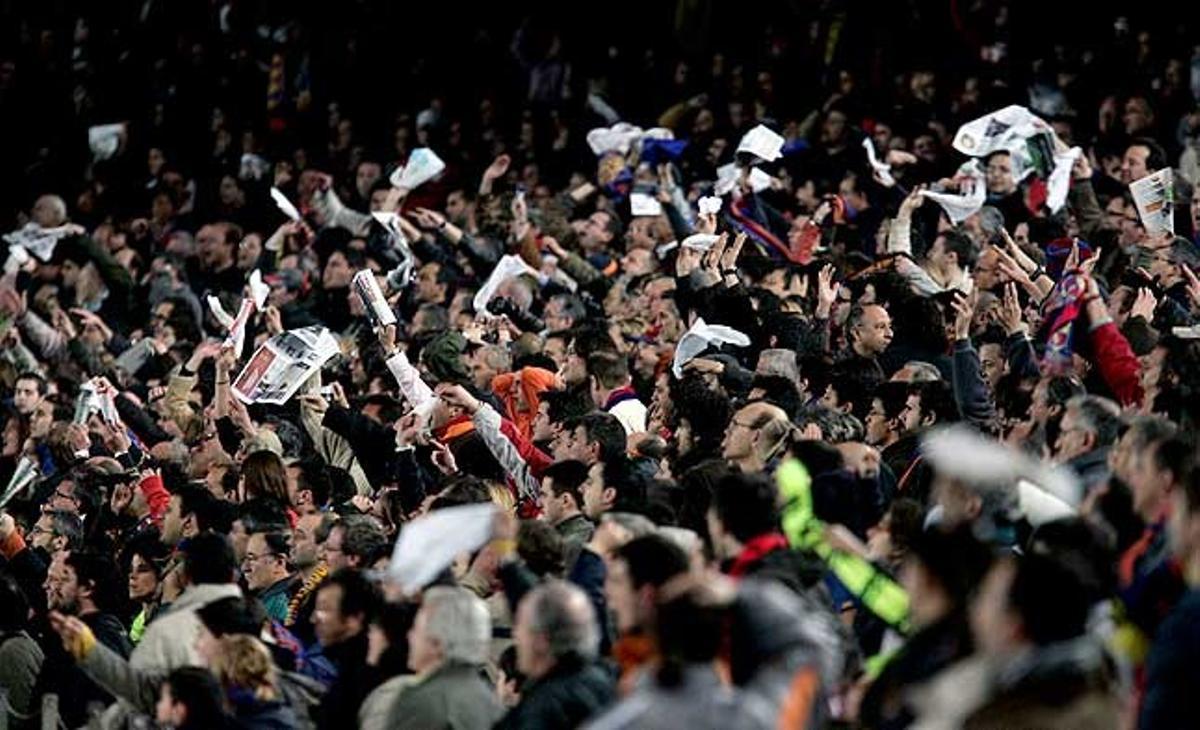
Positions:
{"x": 267, "y": 573}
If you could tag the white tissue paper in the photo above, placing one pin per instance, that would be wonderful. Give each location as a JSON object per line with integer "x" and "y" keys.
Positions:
{"x": 699, "y": 337}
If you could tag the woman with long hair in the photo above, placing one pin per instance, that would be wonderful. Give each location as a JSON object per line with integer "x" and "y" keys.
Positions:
{"x": 264, "y": 475}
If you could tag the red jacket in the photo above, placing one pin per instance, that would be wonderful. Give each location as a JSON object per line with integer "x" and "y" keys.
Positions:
{"x": 537, "y": 459}
{"x": 1118, "y": 365}
{"x": 156, "y": 496}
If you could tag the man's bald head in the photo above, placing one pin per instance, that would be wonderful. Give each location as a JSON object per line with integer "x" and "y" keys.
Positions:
{"x": 49, "y": 211}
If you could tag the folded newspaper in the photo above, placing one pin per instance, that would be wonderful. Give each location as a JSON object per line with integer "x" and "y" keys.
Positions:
{"x": 1154, "y": 196}
{"x": 281, "y": 365}
{"x": 423, "y": 165}
{"x": 24, "y": 475}
{"x": 90, "y": 401}
{"x": 366, "y": 286}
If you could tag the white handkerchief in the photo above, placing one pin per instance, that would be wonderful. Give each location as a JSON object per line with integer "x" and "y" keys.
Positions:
{"x": 508, "y": 267}
{"x": 700, "y": 241}
{"x": 970, "y": 198}
{"x": 38, "y": 241}
{"x": 258, "y": 290}
{"x": 253, "y": 167}
{"x": 429, "y": 544}
{"x": 104, "y": 139}
{"x": 225, "y": 319}
{"x": 285, "y": 205}
{"x": 698, "y": 338}
{"x": 882, "y": 169}
{"x": 709, "y": 205}
{"x": 423, "y": 165}
{"x": 619, "y": 138}
{"x": 727, "y": 179}
{"x": 763, "y": 143}
{"x": 642, "y": 204}
{"x": 1060, "y": 179}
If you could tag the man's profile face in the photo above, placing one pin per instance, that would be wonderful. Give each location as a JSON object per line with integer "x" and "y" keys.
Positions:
{"x": 1133, "y": 165}
{"x": 874, "y": 332}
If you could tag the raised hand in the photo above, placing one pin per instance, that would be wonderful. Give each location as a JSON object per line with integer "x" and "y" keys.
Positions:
{"x": 272, "y": 321}
{"x": 498, "y": 168}
{"x": 387, "y": 339}
{"x": 443, "y": 458}
{"x": 712, "y": 257}
{"x": 457, "y": 396}
{"x": 1010, "y": 311}
{"x": 827, "y": 291}
{"x": 730, "y": 256}
{"x": 1144, "y": 305}
{"x": 62, "y": 322}
{"x": 76, "y": 637}
{"x": 12, "y": 302}
{"x": 912, "y": 201}
{"x": 339, "y": 394}
{"x": 1193, "y": 285}
{"x": 964, "y": 315}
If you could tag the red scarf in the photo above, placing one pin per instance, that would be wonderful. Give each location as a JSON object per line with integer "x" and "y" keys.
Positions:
{"x": 755, "y": 550}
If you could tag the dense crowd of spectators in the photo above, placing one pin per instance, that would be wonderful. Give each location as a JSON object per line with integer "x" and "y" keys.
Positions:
{"x": 771, "y": 437}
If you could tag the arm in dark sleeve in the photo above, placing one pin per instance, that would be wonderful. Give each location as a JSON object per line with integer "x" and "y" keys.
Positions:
{"x": 228, "y": 434}
{"x": 736, "y": 379}
{"x": 589, "y": 574}
{"x": 975, "y": 402}
{"x": 1081, "y": 198}
{"x": 140, "y": 421}
{"x": 413, "y": 480}
{"x": 679, "y": 226}
{"x": 365, "y": 438}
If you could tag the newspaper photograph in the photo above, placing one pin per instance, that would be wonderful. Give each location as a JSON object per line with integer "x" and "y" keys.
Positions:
{"x": 281, "y": 365}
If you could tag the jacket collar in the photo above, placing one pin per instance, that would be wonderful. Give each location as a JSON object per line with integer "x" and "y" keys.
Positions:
{"x": 620, "y": 395}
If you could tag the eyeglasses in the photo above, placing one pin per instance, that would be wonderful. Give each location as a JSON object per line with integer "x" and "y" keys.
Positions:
{"x": 63, "y": 495}
{"x": 39, "y": 530}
